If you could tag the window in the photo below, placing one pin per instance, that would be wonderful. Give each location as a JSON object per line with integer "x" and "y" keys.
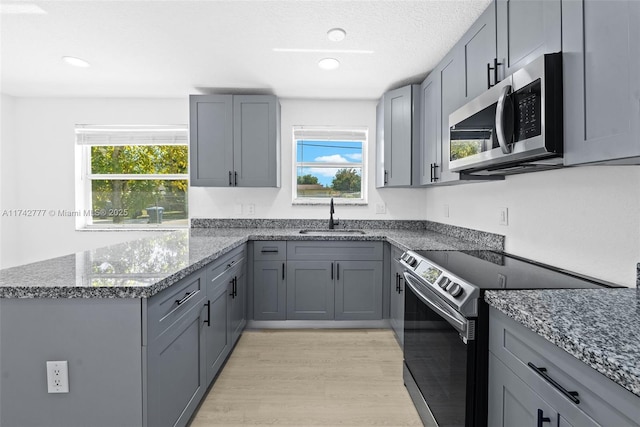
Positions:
{"x": 329, "y": 162}
{"x": 132, "y": 177}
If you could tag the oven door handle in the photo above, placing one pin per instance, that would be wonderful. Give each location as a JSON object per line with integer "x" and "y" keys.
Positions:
{"x": 447, "y": 314}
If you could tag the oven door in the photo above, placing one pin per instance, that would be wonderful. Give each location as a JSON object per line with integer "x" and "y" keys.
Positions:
{"x": 439, "y": 356}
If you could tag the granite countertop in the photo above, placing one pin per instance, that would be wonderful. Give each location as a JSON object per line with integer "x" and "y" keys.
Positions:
{"x": 600, "y": 327}
{"x": 141, "y": 268}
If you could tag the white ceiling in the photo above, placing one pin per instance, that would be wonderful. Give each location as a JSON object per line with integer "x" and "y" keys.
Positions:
{"x": 146, "y": 48}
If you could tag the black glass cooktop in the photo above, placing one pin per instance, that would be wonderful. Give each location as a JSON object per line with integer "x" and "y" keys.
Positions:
{"x": 494, "y": 270}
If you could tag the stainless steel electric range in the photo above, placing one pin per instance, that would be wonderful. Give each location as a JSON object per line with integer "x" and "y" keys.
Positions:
{"x": 446, "y": 326}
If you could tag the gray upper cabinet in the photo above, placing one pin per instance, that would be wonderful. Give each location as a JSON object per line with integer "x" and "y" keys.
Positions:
{"x": 234, "y": 140}
{"x": 526, "y": 29}
{"x": 211, "y": 140}
{"x": 399, "y": 137}
{"x": 601, "y": 60}
{"x": 452, "y": 96}
{"x": 430, "y": 147}
{"x": 478, "y": 47}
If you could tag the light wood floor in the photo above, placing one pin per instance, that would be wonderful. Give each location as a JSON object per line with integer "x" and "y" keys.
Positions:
{"x": 311, "y": 378}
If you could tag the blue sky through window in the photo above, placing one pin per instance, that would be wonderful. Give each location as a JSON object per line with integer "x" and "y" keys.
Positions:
{"x": 327, "y": 157}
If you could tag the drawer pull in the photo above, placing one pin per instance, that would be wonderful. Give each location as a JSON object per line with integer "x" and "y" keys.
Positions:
{"x": 269, "y": 251}
{"x": 571, "y": 395}
{"x": 186, "y": 297}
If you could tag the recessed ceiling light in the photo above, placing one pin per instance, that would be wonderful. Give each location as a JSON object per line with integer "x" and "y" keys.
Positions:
{"x": 336, "y": 34}
{"x": 76, "y": 62}
{"x": 328, "y": 63}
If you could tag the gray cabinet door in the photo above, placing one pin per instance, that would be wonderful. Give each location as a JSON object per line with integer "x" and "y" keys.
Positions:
{"x": 238, "y": 301}
{"x": 478, "y": 47}
{"x": 255, "y": 139}
{"x": 380, "y": 177}
{"x": 176, "y": 374}
{"x": 396, "y": 281}
{"x": 216, "y": 330}
{"x": 601, "y": 61}
{"x": 511, "y": 401}
{"x": 310, "y": 290}
{"x": 430, "y": 147}
{"x": 452, "y": 97}
{"x": 211, "y": 140}
{"x": 399, "y": 136}
{"x": 526, "y": 29}
{"x": 269, "y": 290}
{"x": 358, "y": 290}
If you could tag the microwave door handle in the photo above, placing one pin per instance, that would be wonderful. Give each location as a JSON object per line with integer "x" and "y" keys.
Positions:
{"x": 500, "y": 122}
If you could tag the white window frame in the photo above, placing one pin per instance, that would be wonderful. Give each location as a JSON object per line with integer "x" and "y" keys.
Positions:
{"x": 330, "y": 133}
{"x": 88, "y": 136}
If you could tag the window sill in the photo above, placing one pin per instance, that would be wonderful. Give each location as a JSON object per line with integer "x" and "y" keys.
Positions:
{"x": 129, "y": 228}
{"x": 326, "y": 202}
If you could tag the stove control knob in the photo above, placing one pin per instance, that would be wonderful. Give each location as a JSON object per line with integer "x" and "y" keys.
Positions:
{"x": 454, "y": 289}
{"x": 412, "y": 261}
{"x": 444, "y": 282}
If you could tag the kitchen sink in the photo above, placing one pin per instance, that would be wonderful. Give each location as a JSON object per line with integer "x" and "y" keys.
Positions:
{"x": 320, "y": 232}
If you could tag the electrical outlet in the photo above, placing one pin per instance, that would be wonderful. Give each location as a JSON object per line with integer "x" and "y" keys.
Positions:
{"x": 251, "y": 209}
{"x": 445, "y": 211}
{"x": 381, "y": 208}
{"x": 57, "y": 376}
{"x": 504, "y": 216}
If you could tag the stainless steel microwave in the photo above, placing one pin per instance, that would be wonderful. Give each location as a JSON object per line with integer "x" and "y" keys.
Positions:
{"x": 514, "y": 127}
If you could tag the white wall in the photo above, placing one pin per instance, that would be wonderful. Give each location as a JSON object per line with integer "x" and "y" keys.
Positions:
{"x": 38, "y": 169}
{"x": 276, "y": 202}
{"x": 585, "y": 219}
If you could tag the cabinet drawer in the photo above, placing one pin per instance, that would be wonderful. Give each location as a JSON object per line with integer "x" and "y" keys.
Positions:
{"x": 224, "y": 264}
{"x": 170, "y": 305}
{"x": 270, "y": 250}
{"x": 333, "y": 250}
{"x": 518, "y": 347}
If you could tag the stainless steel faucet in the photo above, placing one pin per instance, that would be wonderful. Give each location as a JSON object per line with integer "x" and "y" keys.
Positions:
{"x": 331, "y": 212}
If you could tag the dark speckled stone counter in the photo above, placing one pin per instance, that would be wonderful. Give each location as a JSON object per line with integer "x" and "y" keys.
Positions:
{"x": 144, "y": 267}
{"x": 600, "y": 327}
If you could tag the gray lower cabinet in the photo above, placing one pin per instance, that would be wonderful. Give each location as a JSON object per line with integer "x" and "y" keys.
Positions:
{"x": 176, "y": 380}
{"x": 601, "y": 61}
{"x": 269, "y": 280}
{"x": 310, "y": 290}
{"x": 396, "y": 300}
{"x": 334, "y": 280}
{"x": 358, "y": 290}
{"x": 234, "y": 140}
{"x": 225, "y": 308}
{"x": 533, "y": 382}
